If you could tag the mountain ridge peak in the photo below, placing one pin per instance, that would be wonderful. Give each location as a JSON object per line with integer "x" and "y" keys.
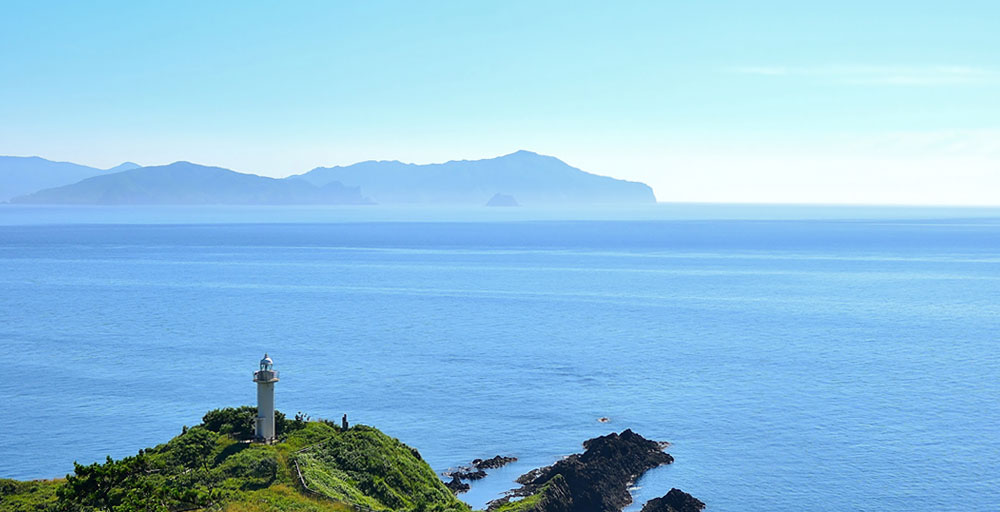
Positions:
{"x": 533, "y": 178}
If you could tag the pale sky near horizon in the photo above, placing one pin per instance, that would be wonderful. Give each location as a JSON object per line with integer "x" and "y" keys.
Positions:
{"x": 839, "y": 102}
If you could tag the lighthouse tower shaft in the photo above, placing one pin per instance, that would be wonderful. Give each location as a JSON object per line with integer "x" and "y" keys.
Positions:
{"x": 265, "y": 378}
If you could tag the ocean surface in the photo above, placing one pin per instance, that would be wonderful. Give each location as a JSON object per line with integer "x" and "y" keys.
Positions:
{"x": 797, "y": 360}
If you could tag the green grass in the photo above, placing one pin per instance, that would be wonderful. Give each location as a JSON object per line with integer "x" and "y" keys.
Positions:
{"x": 37, "y": 495}
{"x": 282, "y": 498}
{"x": 334, "y": 483}
{"x": 366, "y": 467}
{"x": 313, "y": 432}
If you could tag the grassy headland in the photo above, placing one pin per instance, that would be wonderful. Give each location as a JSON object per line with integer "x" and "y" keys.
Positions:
{"x": 211, "y": 467}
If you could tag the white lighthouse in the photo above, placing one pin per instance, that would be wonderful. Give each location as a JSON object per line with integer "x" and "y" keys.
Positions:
{"x": 265, "y": 378}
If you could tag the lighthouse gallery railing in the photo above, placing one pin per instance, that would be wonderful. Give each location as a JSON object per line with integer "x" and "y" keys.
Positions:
{"x": 265, "y": 375}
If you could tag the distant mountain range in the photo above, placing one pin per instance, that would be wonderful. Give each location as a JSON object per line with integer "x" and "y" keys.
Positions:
{"x": 24, "y": 175}
{"x": 187, "y": 183}
{"x": 523, "y": 178}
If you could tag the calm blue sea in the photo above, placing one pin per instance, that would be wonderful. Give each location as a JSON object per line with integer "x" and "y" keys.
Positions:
{"x": 829, "y": 364}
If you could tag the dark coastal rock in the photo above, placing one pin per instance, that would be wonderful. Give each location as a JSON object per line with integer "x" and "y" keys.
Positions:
{"x": 674, "y": 501}
{"x": 597, "y": 480}
{"x": 457, "y": 485}
{"x": 467, "y": 474}
{"x": 495, "y": 462}
{"x": 473, "y": 472}
{"x": 554, "y": 496}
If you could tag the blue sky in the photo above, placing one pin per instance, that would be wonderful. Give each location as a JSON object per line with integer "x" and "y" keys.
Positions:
{"x": 845, "y": 102}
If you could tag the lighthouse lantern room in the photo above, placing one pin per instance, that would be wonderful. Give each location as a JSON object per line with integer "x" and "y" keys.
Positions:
{"x": 265, "y": 378}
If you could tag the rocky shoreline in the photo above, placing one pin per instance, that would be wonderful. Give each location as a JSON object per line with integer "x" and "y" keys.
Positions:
{"x": 598, "y": 480}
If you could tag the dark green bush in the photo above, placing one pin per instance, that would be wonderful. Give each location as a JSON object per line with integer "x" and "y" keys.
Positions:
{"x": 240, "y": 422}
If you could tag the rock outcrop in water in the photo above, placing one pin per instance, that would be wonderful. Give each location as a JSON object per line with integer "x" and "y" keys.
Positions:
{"x": 597, "y": 480}
{"x": 474, "y": 472}
{"x": 495, "y": 462}
{"x": 470, "y": 474}
{"x": 502, "y": 200}
{"x": 674, "y": 501}
{"x": 456, "y": 485}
